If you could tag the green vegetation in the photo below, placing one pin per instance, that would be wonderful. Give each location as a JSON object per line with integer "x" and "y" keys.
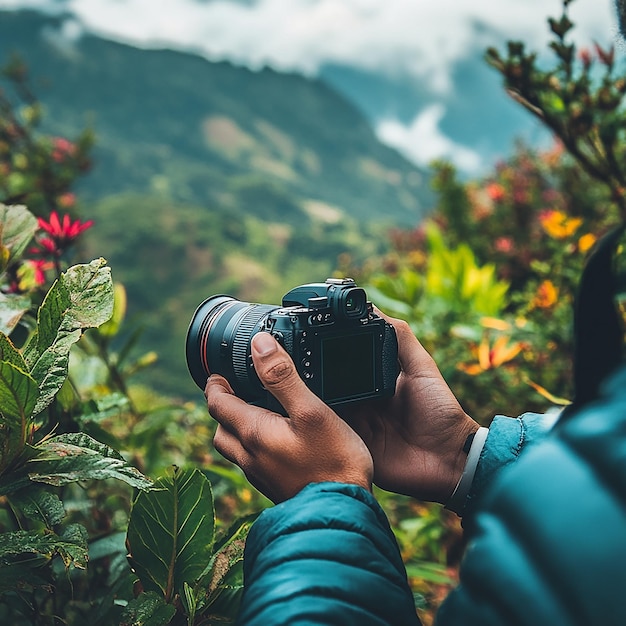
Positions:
{"x": 487, "y": 283}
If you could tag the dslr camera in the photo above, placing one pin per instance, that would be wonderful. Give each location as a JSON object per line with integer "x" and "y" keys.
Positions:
{"x": 342, "y": 350}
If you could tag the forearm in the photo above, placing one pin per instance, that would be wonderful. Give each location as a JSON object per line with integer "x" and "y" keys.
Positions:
{"x": 326, "y": 556}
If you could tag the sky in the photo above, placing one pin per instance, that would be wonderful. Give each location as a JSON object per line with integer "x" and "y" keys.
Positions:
{"x": 422, "y": 39}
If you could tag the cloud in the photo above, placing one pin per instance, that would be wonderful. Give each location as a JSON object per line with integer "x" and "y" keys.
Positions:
{"x": 421, "y": 39}
{"x": 407, "y": 39}
{"x": 422, "y": 141}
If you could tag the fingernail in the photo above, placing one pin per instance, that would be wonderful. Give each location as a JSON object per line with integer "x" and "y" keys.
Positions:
{"x": 264, "y": 344}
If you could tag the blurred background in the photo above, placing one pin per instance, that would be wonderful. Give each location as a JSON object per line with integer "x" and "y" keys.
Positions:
{"x": 246, "y": 146}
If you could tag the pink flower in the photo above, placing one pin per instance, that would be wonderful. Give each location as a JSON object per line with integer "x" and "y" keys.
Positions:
{"x": 504, "y": 244}
{"x": 62, "y": 148}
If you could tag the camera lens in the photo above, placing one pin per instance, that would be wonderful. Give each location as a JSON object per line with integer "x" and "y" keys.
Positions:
{"x": 218, "y": 342}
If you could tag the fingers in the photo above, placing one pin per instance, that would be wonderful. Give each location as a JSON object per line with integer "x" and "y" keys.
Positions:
{"x": 234, "y": 415}
{"x": 229, "y": 446}
{"x": 279, "y": 376}
{"x": 413, "y": 357}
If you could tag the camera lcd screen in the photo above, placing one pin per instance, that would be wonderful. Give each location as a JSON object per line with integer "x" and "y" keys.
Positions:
{"x": 348, "y": 366}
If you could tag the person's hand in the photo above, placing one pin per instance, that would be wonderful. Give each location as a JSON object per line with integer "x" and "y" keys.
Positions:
{"x": 416, "y": 437}
{"x": 280, "y": 455}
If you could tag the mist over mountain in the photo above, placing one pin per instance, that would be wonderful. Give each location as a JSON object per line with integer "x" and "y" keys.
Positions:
{"x": 208, "y": 177}
{"x": 208, "y": 133}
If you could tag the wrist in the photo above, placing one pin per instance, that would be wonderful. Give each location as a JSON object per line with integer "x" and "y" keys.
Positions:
{"x": 474, "y": 447}
{"x": 456, "y": 460}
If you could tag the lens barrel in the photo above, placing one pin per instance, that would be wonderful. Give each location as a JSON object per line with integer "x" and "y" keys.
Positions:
{"x": 218, "y": 342}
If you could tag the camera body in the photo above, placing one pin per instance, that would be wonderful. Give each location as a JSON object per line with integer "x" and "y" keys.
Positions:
{"x": 342, "y": 350}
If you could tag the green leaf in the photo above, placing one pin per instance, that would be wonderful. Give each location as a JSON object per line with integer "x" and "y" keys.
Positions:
{"x": 17, "y": 227}
{"x": 18, "y": 398}
{"x": 14, "y": 577}
{"x": 75, "y": 456}
{"x": 74, "y": 549}
{"x": 103, "y": 408}
{"x": 12, "y": 308}
{"x": 39, "y": 504}
{"x": 81, "y": 298}
{"x": 111, "y": 327}
{"x": 221, "y": 582}
{"x": 10, "y": 354}
{"x": 148, "y": 609}
{"x": 18, "y": 546}
{"x": 171, "y": 532}
{"x": 430, "y": 572}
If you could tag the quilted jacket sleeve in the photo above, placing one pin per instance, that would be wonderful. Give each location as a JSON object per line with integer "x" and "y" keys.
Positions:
{"x": 506, "y": 440}
{"x": 548, "y": 543}
{"x": 326, "y": 556}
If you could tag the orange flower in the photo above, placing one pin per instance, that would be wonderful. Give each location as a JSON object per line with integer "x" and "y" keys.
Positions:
{"x": 586, "y": 242}
{"x": 491, "y": 357}
{"x": 496, "y": 192}
{"x": 557, "y": 225}
{"x": 547, "y": 295}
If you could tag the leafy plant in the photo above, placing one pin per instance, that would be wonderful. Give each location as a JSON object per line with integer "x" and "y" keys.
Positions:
{"x": 31, "y": 455}
{"x": 182, "y": 567}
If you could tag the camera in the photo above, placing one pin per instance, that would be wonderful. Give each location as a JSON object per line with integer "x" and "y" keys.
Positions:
{"x": 342, "y": 350}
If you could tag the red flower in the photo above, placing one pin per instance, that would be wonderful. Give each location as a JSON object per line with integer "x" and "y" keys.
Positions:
{"x": 61, "y": 233}
{"x": 496, "y": 192}
{"x": 606, "y": 56}
{"x": 41, "y": 266}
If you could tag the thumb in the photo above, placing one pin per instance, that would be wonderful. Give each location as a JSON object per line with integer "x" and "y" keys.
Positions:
{"x": 278, "y": 374}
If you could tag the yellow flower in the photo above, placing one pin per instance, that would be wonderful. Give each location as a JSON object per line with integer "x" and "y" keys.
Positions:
{"x": 547, "y": 295}
{"x": 557, "y": 225}
{"x": 585, "y": 242}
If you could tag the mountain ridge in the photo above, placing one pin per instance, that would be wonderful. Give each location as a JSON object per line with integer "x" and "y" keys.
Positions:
{"x": 188, "y": 126}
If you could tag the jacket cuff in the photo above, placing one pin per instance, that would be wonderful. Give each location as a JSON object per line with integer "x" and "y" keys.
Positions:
{"x": 507, "y": 438}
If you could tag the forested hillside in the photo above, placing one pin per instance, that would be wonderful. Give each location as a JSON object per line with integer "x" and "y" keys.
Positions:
{"x": 208, "y": 177}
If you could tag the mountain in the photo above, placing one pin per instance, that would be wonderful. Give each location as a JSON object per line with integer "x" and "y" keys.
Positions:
{"x": 211, "y": 178}
{"x": 213, "y": 134}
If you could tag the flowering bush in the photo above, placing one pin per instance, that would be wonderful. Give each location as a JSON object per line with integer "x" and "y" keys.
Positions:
{"x": 66, "y": 409}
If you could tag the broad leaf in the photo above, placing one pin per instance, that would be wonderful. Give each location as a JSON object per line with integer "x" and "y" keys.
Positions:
{"x": 12, "y": 308}
{"x": 148, "y": 609}
{"x": 218, "y": 591}
{"x": 20, "y": 545}
{"x": 10, "y": 354}
{"x": 18, "y": 397}
{"x": 75, "y": 456}
{"x": 17, "y": 227}
{"x": 74, "y": 549}
{"x": 170, "y": 533}
{"x": 81, "y": 298}
{"x": 39, "y": 504}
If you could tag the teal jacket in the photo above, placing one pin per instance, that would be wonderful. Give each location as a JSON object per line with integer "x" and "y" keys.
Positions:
{"x": 546, "y": 523}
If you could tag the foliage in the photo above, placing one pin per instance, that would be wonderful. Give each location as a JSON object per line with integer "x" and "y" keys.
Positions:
{"x": 522, "y": 233}
{"x": 62, "y": 522}
{"x": 172, "y": 545}
{"x": 487, "y": 284}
